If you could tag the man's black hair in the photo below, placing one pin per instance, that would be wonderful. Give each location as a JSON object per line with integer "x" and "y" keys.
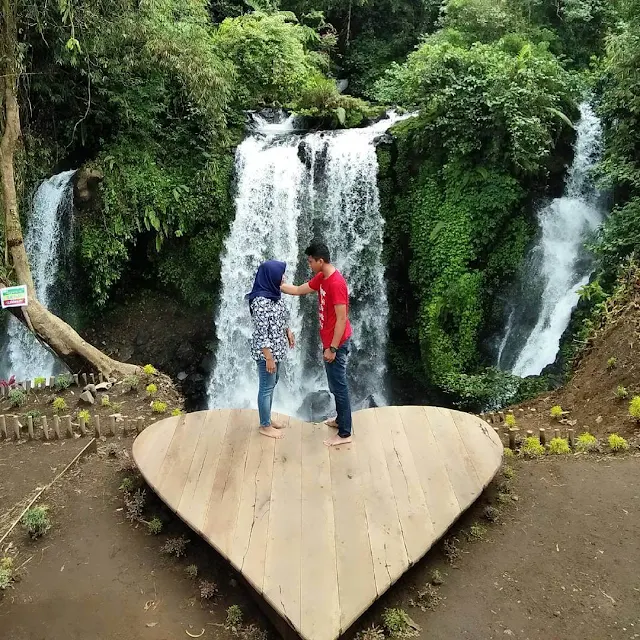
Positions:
{"x": 318, "y": 250}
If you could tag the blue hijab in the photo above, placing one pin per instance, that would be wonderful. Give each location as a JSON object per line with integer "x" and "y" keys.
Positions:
{"x": 268, "y": 280}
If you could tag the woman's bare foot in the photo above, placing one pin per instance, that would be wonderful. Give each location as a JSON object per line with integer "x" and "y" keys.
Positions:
{"x": 270, "y": 432}
{"x": 331, "y": 423}
{"x": 336, "y": 441}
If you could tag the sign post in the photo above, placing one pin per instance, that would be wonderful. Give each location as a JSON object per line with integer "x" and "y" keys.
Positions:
{"x": 12, "y": 297}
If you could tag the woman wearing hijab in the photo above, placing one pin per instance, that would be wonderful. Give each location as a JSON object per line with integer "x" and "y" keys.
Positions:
{"x": 271, "y": 337}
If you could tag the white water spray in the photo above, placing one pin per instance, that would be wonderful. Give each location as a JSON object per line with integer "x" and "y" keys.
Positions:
{"x": 23, "y": 355}
{"x": 560, "y": 261}
{"x": 292, "y": 188}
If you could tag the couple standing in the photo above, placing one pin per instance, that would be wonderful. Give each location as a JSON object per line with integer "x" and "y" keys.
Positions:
{"x": 272, "y": 336}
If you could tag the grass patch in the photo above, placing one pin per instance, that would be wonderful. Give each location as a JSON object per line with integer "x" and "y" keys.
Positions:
{"x": 559, "y": 446}
{"x": 130, "y": 383}
{"x": 617, "y": 443}
{"x": 476, "y": 532}
{"x": 586, "y": 442}
{"x": 532, "y": 448}
{"x": 36, "y": 521}
{"x": 398, "y": 624}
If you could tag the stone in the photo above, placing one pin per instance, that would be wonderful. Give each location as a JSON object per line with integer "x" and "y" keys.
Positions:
{"x": 87, "y": 397}
{"x": 182, "y": 376}
{"x": 91, "y": 388}
{"x": 103, "y": 386}
{"x": 85, "y": 188}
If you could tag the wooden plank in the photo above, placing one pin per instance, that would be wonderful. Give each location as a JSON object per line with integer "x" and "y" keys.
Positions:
{"x": 194, "y": 506}
{"x": 319, "y": 599}
{"x": 150, "y": 458}
{"x": 456, "y": 459}
{"x": 175, "y": 469}
{"x": 434, "y": 478}
{"x": 249, "y": 546}
{"x": 385, "y": 534}
{"x": 281, "y": 585}
{"x": 224, "y": 500}
{"x": 356, "y": 580}
{"x": 481, "y": 442}
{"x": 413, "y": 513}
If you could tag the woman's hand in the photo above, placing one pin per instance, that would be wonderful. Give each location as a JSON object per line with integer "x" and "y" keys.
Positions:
{"x": 291, "y": 338}
{"x": 271, "y": 365}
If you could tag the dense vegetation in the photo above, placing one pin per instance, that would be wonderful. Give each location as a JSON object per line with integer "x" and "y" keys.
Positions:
{"x": 152, "y": 96}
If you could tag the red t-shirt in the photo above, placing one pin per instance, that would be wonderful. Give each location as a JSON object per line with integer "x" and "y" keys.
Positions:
{"x": 331, "y": 291}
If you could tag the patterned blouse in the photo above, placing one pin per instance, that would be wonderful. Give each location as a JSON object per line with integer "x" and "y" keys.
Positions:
{"x": 270, "y": 322}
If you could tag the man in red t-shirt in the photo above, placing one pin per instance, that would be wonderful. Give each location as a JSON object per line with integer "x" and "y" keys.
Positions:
{"x": 335, "y": 331}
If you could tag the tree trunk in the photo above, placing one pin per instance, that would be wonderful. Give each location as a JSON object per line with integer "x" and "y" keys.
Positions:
{"x": 58, "y": 335}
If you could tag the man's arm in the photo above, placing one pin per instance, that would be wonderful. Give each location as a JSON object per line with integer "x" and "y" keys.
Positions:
{"x": 293, "y": 290}
{"x": 341, "y": 324}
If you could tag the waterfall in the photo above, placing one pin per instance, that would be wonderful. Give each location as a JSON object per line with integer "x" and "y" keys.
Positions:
{"x": 49, "y": 224}
{"x": 292, "y": 188}
{"x": 559, "y": 264}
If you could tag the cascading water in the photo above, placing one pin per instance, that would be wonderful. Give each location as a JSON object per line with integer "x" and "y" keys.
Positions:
{"x": 559, "y": 264}
{"x": 49, "y": 223}
{"x": 292, "y": 188}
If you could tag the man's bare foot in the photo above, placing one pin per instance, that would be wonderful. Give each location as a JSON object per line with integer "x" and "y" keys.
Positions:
{"x": 270, "y": 432}
{"x": 331, "y": 423}
{"x": 277, "y": 425}
{"x": 336, "y": 441}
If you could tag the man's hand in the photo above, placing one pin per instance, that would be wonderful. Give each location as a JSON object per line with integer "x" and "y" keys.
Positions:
{"x": 271, "y": 365}
{"x": 291, "y": 338}
{"x": 292, "y": 290}
{"x": 328, "y": 355}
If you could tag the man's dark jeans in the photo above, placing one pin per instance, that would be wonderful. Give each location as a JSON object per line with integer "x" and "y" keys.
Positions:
{"x": 337, "y": 377}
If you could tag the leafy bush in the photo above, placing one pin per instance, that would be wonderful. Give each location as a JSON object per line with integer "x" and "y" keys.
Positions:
{"x": 611, "y": 363}
{"x": 128, "y": 484}
{"x": 634, "y": 408}
{"x": 559, "y": 446}
{"x": 436, "y": 578}
{"x": 36, "y": 521}
{"x": 622, "y": 393}
{"x": 134, "y": 504}
{"x": 104, "y": 401}
{"x": 158, "y": 407}
{"x": 510, "y": 420}
{"x": 427, "y": 598}
{"x": 476, "y": 532}
{"x": 130, "y": 383}
{"x": 39, "y": 381}
{"x": 154, "y": 526}
{"x": 532, "y": 448}
{"x": 508, "y": 472}
{"x": 6, "y": 573}
{"x": 617, "y": 443}
{"x": 398, "y": 624}
{"x": 508, "y": 453}
{"x": 586, "y": 442}
{"x": 192, "y": 571}
{"x": 59, "y": 405}
{"x": 151, "y": 389}
{"x": 208, "y": 589}
{"x": 556, "y": 412}
{"x": 63, "y": 381}
{"x": 234, "y": 617}
{"x": 17, "y": 397}
{"x": 35, "y": 414}
{"x": 371, "y": 633}
{"x": 175, "y": 547}
{"x": 84, "y": 415}
{"x": 177, "y": 412}
{"x": 148, "y": 369}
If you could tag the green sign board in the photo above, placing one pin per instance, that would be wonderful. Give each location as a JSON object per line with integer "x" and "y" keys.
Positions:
{"x": 14, "y": 296}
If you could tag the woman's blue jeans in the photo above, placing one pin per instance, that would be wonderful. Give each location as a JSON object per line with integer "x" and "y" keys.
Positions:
{"x": 337, "y": 378}
{"x": 268, "y": 382}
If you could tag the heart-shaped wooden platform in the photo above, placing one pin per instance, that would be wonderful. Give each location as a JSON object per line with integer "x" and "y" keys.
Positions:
{"x": 320, "y": 533}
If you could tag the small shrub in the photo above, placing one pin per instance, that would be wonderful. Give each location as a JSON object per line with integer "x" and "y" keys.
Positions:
{"x": 116, "y": 407}
{"x": 85, "y": 415}
{"x": 510, "y": 420}
{"x": 532, "y": 448}
{"x": 130, "y": 383}
{"x": 6, "y": 573}
{"x": 152, "y": 389}
{"x": 611, "y": 363}
{"x": 451, "y": 550}
{"x": 39, "y": 382}
{"x": 208, "y": 589}
{"x": 34, "y": 414}
{"x": 491, "y": 514}
{"x": 134, "y": 504}
{"x": 634, "y": 408}
{"x": 175, "y": 547}
{"x": 398, "y": 624}
{"x": 586, "y": 442}
{"x": 154, "y": 526}
{"x": 476, "y": 532}
{"x": 17, "y": 398}
{"x": 508, "y": 453}
{"x": 158, "y": 407}
{"x": 371, "y": 633}
{"x": 508, "y": 472}
{"x": 234, "y": 617}
{"x": 559, "y": 446}
{"x": 503, "y": 498}
{"x": 617, "y": 443}
{"x": 105, "y": 402}
{"x": 622, "y": 393}
{"x": 556, "y": 412}
{"x": 63, "y": 381}
{"x": 427, "y": 598}
{"x": 436, "y": 578}
{"x": 127, "y": 485}
{"x": 505, "y": 487}
{"x": 36, "y": 521}
{"x": 149, "y": 370}
{"x": 192, "y": 571}
{"x": 112, "y": 450}
{"x": 176, "y": 412}
{"x": 59, "y": 405}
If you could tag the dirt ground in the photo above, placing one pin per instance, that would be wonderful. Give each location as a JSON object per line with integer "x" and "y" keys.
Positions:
{"x": 561, "y": 563}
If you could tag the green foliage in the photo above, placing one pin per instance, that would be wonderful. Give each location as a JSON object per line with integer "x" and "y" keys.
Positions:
{"x": 158, "y": 407}
{"x": 154, "y": 526}
{"x": 532, "y": 448}
{"x": 192, "y": 571}
{"x": 508, "y": 453}
{"x": 105, "y": 401}
{"x": 476, "y": 532}
{"x": 427, "y": 598}
{"x": 149, "y": 370}
{"x": 151, "y": 389}
{"x": 208, "y": 589}
{"x": 17, "y": 398}
{"x": 34, "y": 414}
{"x": 611, "y": 363}
{"x": 622, "y": 393}
{"x": 234, "y": 617}
{"x": 508, "y": 472}
{"x": 176, "y": 412}
{"x": 491, "y": 514}
{"x": 586, "y": 442}
{"x": 370, "y": 633}
{"x": 128, "y": 484}
{"x": 398, "y": 624}
{"x": 6, "y": 573}
{"x": 39, "y": 382}
{"x": 559, "y": 446}
{"x": 130, "y": 383}
{"x": 617, "y": 443}
{"x": 175, "y": 547}
{"x": 83, "y": 414}
{"x": 634, "y": 408}
{"x": 556, "y": 412}
{"x": 63, "y": 381}
{"x": 36, "y": 521}
{"x": 510, "y": 420}
{"x": 59, "y": 404}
